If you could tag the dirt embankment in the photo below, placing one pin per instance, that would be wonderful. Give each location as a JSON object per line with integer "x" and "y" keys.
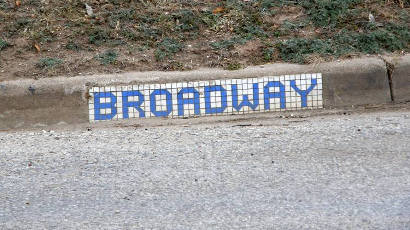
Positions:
{"x": 45, "y": 38}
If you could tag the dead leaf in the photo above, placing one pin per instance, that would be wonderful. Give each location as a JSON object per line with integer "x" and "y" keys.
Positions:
{"x": 37, "y": 47}
{"x": 218, "y": 10}
{"x": 18, "y": 3}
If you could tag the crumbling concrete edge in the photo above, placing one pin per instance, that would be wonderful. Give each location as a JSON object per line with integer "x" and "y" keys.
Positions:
{"x": 34, "y": 103}
{"x": 398, "y": 70}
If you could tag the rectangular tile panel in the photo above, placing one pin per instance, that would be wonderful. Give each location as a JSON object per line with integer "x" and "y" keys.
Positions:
{"x": 207, "y": 98}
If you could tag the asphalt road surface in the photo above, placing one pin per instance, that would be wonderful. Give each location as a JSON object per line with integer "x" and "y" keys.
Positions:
{"x": 324, "y": 172}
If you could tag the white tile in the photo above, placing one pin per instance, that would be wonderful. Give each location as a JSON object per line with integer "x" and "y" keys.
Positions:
{"x": 95, "y": 90}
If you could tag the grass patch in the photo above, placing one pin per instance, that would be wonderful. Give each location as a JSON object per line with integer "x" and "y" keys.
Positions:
{"x": 217, "y": 32}
{"x": 108, "y": 57}
{"x": 150, "y": 34}
{"x": 121, "y": 15}
{"x": 328, "y": 13}
{"x": 4, "y": 5}
{"x": 289, "y": 27}
{"x": 390, "y": 39}
{"x": 49, "y": 63}
{"x": 297, "y": 49}
{"x": 129, "y": 34}
{"x": 268, "y": 53}
{"x": 98, "y": 36}
{"x": 229, "y": 43}
{"x": 3, "y": 44}
{"x": 378, "y": 40}
{"x": 167, "y": 49}
{"x": 186, "y": 20}
{"x": 17, "y": 26}
{"x": 267, "y": 4}
{"x": 234, "y": 66}
{"x": 71, "y": 45}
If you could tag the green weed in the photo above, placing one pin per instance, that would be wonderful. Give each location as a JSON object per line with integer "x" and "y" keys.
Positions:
{"x": 268, "y": 53}
{"x": 328, "y": 13}
{"x": 34, "y": 2}
{"x": 130, "y": 34}
{"x": 3, "y": 44}
{"x": 234, "y": 66}
{"x": 17, "y": 26}
{"x": 108, "y": 57}
{"x": 167, "y": 48}
{"x": 98, "y": 36}
{"x": 48, "y": 63}
{"x": 121, "y": 15}
{"x": 229, "y": 43}
{"x": 4, "y": 5}
{"x": 390, "y": 38}
{"x": 250, "y": 30}
{"x": 187, "y": 20}
{"x": 210, "y": 20}
{"x": 289, "y": 27}
{"x": 71, "y": 45}
{"x": 42, "y": 35}
{"x": 150, "y": 33}
{"x": 267, "y": 4}
{"x": 297, "y": 49}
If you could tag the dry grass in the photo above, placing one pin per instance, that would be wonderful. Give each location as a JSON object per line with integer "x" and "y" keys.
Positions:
{"x": 184, "y": 35}
{"x": 400, "y": 3}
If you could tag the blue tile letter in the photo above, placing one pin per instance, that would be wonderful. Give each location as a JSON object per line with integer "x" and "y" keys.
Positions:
{"x": 108, "y": 105}
{"x": 182, "y": 101}
{"x": 303, "y": 93}
{"x": 224, "y": 101}
{"x": 154, "y": 102}
{"x": 245, "y": 100}
{"x": 134, "y": 104}
{"x": 281, "y": 94}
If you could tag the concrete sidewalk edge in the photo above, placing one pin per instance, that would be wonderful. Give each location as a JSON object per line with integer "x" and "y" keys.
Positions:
{"x": 361, "y": 81}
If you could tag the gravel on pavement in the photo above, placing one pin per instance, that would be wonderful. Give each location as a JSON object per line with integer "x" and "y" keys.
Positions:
{"x": 325, "y": 172}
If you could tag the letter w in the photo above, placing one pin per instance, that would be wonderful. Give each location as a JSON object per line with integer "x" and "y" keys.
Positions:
{"x": 245, "y": 101}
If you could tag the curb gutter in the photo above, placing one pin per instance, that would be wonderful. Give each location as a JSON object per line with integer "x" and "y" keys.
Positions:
{"x": 36, "y": 103}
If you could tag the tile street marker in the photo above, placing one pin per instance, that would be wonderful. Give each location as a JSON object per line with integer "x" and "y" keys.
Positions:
{"x": 205, "y": 98}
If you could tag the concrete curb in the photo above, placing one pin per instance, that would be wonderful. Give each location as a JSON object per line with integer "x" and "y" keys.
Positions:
{"x": 399, "y": 73}
{"x": 34, "y": 103}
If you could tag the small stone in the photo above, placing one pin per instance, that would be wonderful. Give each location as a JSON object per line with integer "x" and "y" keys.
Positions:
{"x": 89, "y": 10}
{"x": 371, "y": 18}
